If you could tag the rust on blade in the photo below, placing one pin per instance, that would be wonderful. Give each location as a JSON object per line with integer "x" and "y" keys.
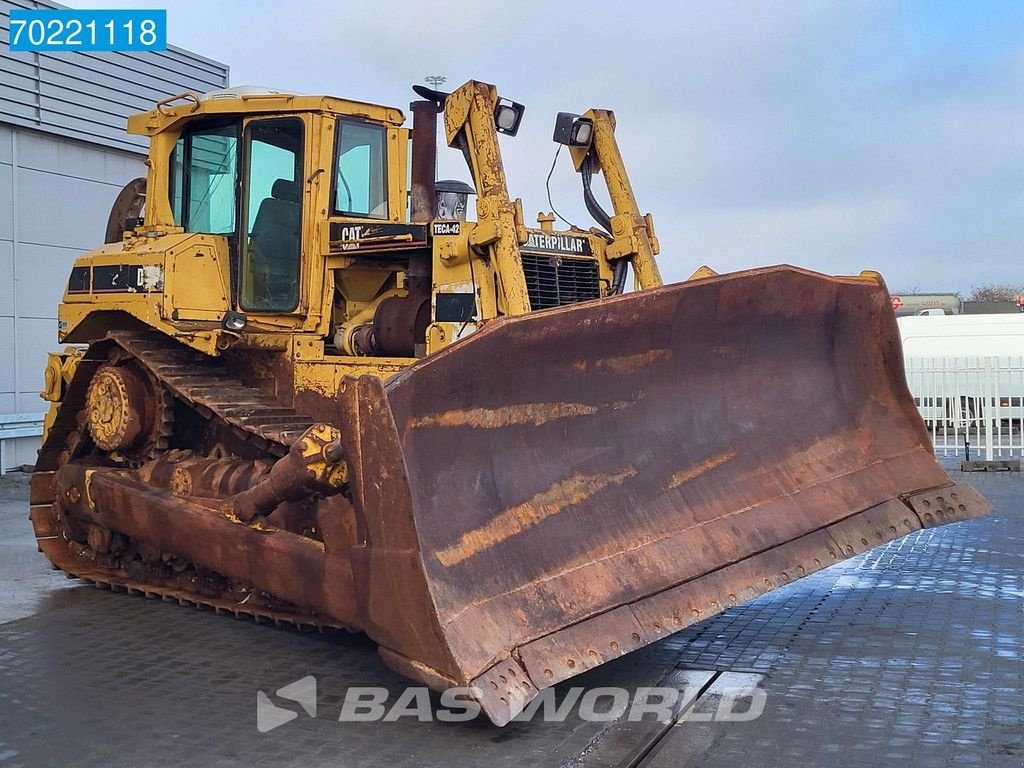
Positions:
{"x": 525, "y": 414}
{"x": 512, "y": 415}
{"x": 681, "y": 478}
{"x": 623, "y": 364}
{"x": 769, "y": 432}
{"x": 515, "y": 520}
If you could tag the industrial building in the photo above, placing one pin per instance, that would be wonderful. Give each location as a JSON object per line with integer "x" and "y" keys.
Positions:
{"x": 64, "y": 156}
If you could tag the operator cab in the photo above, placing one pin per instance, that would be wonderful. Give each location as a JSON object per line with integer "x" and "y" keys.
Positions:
{"x": 317, "y": 224}
{"x": 243, "y": 178}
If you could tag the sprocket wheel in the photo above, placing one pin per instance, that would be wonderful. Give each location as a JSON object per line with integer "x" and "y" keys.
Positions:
{"x": 127, "y": 412}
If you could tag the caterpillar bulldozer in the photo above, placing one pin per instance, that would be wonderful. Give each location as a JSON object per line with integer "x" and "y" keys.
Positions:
{"x": 292, "y": 391}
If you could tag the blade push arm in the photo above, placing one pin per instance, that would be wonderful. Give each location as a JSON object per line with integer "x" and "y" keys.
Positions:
{"x": 470, "y": 126}
{"x": 632, "y": 233}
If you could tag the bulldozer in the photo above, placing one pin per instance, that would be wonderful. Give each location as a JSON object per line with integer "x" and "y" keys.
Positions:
{"x": 507, "y": 453}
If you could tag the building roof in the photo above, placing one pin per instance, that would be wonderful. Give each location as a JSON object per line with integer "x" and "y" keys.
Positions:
{"x": 89, "y": 96}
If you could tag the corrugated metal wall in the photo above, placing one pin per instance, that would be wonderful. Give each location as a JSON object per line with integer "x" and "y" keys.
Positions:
{"x": 89, "y": 95}
{"x": 64, "y": 156}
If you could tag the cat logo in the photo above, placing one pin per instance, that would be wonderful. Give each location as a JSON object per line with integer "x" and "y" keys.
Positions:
{"x": 350, "y": 237}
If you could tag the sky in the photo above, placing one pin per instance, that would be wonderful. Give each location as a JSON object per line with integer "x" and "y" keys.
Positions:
{"x": 834, "y": 136}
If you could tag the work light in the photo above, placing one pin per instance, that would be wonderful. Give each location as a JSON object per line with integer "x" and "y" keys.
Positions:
{"x": 507, "y": 116}
{"x": 573, "y": 130}
{"x": 234, "y": 321}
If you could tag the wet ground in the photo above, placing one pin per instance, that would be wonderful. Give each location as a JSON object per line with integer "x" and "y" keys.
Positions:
{"x": 909, "y": 655}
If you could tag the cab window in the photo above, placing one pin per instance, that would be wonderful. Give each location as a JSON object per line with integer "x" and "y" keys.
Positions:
{"x": 204, "y": 177}
{"x": 273, "y": 215}
{"x": 360, "y": 187}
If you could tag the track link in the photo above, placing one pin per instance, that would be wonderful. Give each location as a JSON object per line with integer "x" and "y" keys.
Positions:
{"x": 205, "y": 384}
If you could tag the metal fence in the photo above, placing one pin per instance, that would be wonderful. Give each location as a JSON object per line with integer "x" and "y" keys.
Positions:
{"x": 971, "y": 405}
{"x": 17, "y": 425}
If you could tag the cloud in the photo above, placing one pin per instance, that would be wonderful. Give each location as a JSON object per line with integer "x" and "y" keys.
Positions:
{"x": 839, "y": 136}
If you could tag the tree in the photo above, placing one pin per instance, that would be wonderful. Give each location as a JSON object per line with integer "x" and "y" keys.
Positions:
{"x": 995, "y": 292}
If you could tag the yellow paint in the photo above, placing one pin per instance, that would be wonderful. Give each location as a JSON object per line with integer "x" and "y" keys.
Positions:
{"x": 197, "y": 279}
{"x": 514, "y": 520}
{"x": 702, "y": 272}
{"x": 53, "y": 383}
{"x": 60, "y": 369}
{"x": 324, "y": 376}
{"x": 88, "y": 488}
{"x": 50, "y": 419}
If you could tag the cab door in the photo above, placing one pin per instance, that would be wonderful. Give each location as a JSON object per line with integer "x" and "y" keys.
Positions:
{"x": 270, "y": 268}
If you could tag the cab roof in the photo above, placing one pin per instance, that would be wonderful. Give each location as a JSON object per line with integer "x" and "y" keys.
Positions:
{"x": 246, "y": 100}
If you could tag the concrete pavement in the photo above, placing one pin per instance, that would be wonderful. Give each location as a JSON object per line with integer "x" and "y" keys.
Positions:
{"x": 908, "y": 655}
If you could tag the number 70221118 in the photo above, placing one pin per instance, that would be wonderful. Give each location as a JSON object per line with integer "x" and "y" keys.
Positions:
{"x": 85, "y": 30}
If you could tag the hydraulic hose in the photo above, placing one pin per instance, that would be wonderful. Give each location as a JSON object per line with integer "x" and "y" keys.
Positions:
{"x": 601, "y": 217}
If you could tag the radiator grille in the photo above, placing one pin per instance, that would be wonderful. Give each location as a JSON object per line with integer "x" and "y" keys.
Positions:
{"x": 554, "y": 281}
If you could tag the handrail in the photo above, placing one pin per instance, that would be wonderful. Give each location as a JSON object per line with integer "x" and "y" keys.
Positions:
{"x": 187, "y": 96}
{"x": 17, "y": 425}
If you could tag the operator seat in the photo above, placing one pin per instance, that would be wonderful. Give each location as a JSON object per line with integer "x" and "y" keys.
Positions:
{"x": 275, "y": 242}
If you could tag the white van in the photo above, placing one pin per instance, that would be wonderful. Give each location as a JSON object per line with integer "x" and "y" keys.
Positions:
{"x": 964, "y": 368}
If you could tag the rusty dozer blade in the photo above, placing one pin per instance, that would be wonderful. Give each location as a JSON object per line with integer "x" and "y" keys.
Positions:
{"x": 564, "y": 487}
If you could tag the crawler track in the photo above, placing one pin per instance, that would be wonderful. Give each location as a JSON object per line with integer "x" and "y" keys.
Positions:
{"x": 206, "y": 387}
